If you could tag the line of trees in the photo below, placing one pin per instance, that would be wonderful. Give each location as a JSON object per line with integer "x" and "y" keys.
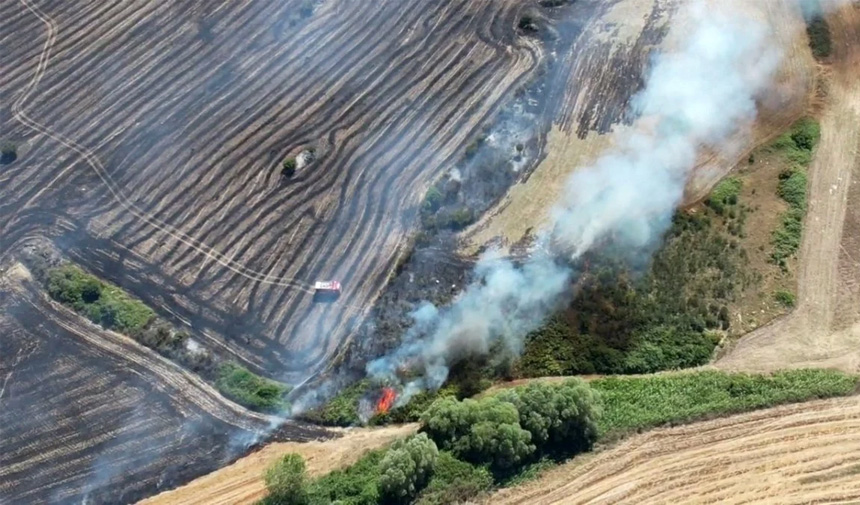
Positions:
{"x": 462, "y": 447}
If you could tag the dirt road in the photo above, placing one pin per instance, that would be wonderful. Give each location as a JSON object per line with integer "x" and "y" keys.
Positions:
{"x": 824, "y": 330}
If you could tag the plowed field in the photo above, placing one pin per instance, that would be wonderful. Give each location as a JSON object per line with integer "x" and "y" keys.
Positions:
{"x": 151, "y": 137}
{"x": 155, "y": 135}
{"x": 91, "y": 414}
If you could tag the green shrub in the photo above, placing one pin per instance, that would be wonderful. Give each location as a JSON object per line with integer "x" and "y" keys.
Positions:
{"x": 286, "y": 481}
{"x": 342, "y": 409}
{"x": 806, "y": 133}
{"x": 406, "y": 468}
{"x": 357, "y": 484}
{"x": 454, "y": 481}
{"x": 792, "y": 189}
{"x": 797, "y": 146}
{"x": 633, "y": 404}
{"x": 289, "y": 167}
{"x": 785, "y": 298}
{"x": 725, "y": 194}
{"x": 432, "y": 200}
{"x": 100, "y": 302}
{"x": 485, "y": 431}
{"x": 560, "y": 418}
{"x": 241, "y": 385}
{"x": 820, "y": 40}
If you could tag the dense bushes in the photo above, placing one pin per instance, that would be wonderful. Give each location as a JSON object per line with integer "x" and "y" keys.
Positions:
{"x": 286, "y": 481}
{"x": 726, "y": 193}
{"x": 622, "y": 321}
{"x": 820, "y": 40}
{"x": 406, "y": 468}
{"x": 102, "y": 303}
{"x": 796, "y": 146}
{"x": 509, "y": 429}
{"x": 238, "y": 383}
{"x": 485, "y": 431}
{"x": 454, "y": 481}
{"x": 636, "y": 403}
{"x": 559, "y": 418}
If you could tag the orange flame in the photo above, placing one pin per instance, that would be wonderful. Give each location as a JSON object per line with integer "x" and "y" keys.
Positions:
{"x": 386, "y": 401}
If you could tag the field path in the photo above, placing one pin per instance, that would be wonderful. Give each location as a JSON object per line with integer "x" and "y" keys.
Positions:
{"x": 824, "y": 329}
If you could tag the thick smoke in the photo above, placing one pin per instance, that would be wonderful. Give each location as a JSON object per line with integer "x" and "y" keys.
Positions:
{"x": 697, "y": 97}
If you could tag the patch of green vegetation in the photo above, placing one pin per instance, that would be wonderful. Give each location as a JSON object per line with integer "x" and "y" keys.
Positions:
{"x": 532, "y": 428}
{"x": 725, "y": 194}
{"x": 357, "y": 484}
{"x": 432, "y": 200}
{"x": 796, "y": 146}
{"x": 785, "y": 298}
{"x": 288, "y": 168}
{"x": 454, "y": 481}
{"x": 342, "y": 409}
{"x": 100, "y": 302}
{"x": 632, "y": 404}
{"x": 820, "y": 40}
{"x": 663, "y": 319}
{"x": 287, "y": 481}
{"x": 249, "y": 389}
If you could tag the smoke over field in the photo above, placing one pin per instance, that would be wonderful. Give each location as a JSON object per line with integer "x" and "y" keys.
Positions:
{"x": 696, "y": 97}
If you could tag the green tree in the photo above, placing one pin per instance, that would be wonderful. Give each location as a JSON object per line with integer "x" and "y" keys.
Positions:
{"x": 455, "y": 481}
{"x": 479, "y": 431}
{"x": 286, "y": 481}
{"x": 432, "y": 200}
{"x": 289, "y": 167}
{"x": 8, "y": 149}
{"x": 406, "y": 468}
{"x": 561, "y": 418}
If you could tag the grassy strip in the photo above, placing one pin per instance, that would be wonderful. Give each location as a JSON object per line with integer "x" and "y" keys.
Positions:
{"x": 101, "y": 303}
{"x": 634, "y": 404}
{"x": 251, "y": 390}
{"x": 796, "y": 146}
{"x": 114, "y": 309}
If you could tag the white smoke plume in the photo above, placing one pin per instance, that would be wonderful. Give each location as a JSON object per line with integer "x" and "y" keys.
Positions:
{"x": 695, "y": 97}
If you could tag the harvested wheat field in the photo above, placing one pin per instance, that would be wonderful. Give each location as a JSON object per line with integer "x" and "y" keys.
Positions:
{"x": 803, "y": 453}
